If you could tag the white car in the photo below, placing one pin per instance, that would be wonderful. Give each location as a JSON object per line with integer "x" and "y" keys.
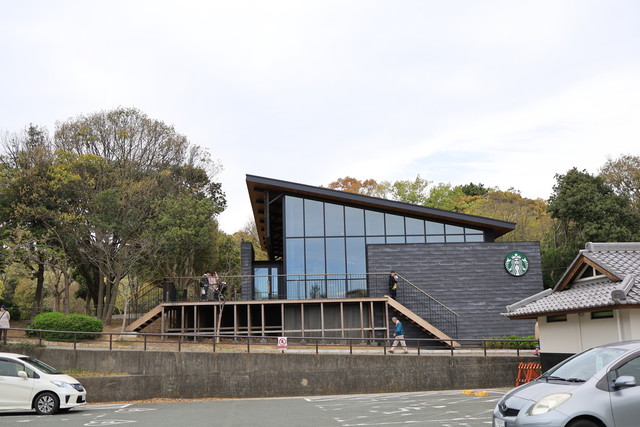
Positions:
{"x": 27, "y": 383}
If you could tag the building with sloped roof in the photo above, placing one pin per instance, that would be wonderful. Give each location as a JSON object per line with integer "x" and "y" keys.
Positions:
{"x": 595, "y": 302}
{"x": 327, "y": 244}
{"x": 327, "y": 274}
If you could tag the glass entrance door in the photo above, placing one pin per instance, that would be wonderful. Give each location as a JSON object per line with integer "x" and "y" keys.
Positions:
{"x": 265, "y": 282}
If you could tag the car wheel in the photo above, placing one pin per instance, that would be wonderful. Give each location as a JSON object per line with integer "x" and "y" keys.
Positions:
{"x": 583, "y": 423}
{"x": 47, "y": 403}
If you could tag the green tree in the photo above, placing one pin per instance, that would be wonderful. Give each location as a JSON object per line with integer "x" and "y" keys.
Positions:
{"x": 586, "y": 209}
{"x": 186, "y": 236}
{"x": 249, "y": 233}
{"x": 129, "y": 172}
{"x": 472, "y": 189}
{"x": 589, "y": 210}
{"x": 533, "y": 223}
{"x": 25, "y": 195}
{"x": 623, "y": 175}
{"x": 407, "y": 191}
{"x": 368, "y": 187}
{"x": 444, "y": 196}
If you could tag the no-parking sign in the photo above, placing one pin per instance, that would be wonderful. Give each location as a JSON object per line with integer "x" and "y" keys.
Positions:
{"x": 282, "y": 343}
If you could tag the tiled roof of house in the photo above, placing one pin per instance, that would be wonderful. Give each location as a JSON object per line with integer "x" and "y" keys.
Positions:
{"x": 619, "y": 261}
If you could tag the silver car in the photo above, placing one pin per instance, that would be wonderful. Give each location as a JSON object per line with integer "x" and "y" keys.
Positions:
{"x": 595, "y": 388}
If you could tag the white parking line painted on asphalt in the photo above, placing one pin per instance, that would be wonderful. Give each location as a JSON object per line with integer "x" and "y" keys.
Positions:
{"x": 444, "y": 409}
{"x": 108, "y": 423}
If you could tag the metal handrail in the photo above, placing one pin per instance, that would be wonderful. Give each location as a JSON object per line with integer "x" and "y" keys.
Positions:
{"x": 428, "y": 307}
{"x": 336, "y": 285}
{"x": 236, "y": 343}
{"x": 428, "y": 295}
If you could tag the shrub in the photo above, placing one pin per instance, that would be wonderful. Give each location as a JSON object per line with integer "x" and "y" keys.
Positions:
{"x": 511, "y": 342}
{"x": 59, "y": 322}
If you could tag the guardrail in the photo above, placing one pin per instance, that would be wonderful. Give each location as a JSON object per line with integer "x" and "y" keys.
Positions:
{"x": 208, "y": 342}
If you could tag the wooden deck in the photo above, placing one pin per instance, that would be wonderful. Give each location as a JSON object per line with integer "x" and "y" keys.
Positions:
{"x": 327, "y": 318}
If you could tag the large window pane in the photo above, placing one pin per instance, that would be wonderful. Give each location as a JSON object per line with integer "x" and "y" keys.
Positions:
{"x": 375, "y": 240}
{"x": 260, "y": 283}
{"x": 454, "y": 238}
{"x": 293, "y": 217}
{"x": 474, "y": 238}
{"x": 415, "y": 239}
{"x": 356, "y": 255}
{"x": 374, "y": 223}
{"x": 336, "y": 285}
{"x": 314, "y": 255}
{"x": 472, "y": 231}
{"x": 435, "y": 239}
{"x": 453, "y": 229}
{"x": 295, "y": 256}
{"x": 435, "y": 228}
{"x": 296, "y": 288}
{"x": 336, "y": 256}
{"x": 415, "y": 226}
{"x": 334, "y": 219}
{"x": 354, "y": 221}
{"x": 395, "y": 239}
{"x": 357, "y": 288}
{"x": 313, "y": 218}
{"x": 395, "y": 225}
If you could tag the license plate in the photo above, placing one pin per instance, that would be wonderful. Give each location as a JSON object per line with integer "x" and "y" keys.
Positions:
{"x": 499, "y": 423}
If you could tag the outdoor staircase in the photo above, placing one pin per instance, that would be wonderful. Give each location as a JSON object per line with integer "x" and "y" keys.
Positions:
{"x": 422, "y": 324}
{"x": 145, "y": 320}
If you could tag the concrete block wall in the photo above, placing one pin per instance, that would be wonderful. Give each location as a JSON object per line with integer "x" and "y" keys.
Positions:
{"x": 469, "y": 278}
{"x": 247, "y": 375}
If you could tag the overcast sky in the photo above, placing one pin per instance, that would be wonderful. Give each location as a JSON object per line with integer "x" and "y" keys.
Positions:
{"x": 503, "y": 93}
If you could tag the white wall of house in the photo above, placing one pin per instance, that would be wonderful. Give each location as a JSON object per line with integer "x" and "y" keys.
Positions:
{"x": 580, "y": 332}
{"x": 632, "y": 331}
{"x": 559, "y": 337}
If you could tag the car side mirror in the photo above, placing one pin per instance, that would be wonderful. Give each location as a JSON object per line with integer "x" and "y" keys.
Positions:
{"x": 625, "y": 381}
{"x": 23, "y": 374}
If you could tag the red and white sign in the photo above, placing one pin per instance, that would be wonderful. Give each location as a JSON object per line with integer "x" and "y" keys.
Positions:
{"x": 282, "y": 343}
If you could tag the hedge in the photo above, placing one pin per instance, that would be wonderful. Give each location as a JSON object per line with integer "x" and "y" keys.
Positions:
{"x": 511, "y": 342}
{"x": 56, "y": 321}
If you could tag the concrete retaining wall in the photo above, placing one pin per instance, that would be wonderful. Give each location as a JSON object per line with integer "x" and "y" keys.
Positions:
{"x": 244, "y": 375}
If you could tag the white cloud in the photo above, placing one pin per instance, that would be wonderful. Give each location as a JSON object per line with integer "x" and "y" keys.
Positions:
{"x": 499, "y": 92}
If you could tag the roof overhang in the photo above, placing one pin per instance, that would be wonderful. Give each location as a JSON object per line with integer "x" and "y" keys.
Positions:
{"x": 262, "y": 189}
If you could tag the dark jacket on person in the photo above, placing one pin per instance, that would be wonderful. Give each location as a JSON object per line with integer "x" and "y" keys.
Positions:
{"x": 393, "y": 280}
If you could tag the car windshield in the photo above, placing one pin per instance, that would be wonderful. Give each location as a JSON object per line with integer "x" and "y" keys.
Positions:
{"x": 40, "y": 365}
{"x": 584, "y": 365}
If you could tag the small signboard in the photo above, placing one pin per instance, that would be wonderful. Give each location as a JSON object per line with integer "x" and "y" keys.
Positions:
{"x": 282, "y": 343}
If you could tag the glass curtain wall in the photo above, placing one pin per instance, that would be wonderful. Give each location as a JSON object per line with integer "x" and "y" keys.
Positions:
{"x": 325, "y": 243}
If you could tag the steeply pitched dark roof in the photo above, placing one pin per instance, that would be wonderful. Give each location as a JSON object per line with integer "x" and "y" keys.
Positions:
{"x": 617, "y": 286}
{"x": 259, "y": 187}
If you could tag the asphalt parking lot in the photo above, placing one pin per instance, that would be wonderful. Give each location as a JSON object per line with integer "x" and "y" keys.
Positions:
{"x": 468, "y": 408}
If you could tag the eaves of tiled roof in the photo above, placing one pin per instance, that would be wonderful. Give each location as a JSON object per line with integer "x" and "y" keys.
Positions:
{"x": 620, "y": 262}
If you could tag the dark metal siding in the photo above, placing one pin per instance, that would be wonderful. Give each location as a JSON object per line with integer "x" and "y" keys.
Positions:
{"x": 469, "y": 278}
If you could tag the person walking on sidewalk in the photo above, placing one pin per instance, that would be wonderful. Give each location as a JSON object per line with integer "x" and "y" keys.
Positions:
{"x": 399, "y": 334}
{"x": 4, "y": 323}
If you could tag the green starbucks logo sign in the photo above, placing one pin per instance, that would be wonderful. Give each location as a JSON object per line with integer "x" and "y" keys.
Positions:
{"x": 516, "y": 263}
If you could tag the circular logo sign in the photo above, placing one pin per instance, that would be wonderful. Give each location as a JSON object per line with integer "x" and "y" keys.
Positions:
{"x": 516, "y": 263}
